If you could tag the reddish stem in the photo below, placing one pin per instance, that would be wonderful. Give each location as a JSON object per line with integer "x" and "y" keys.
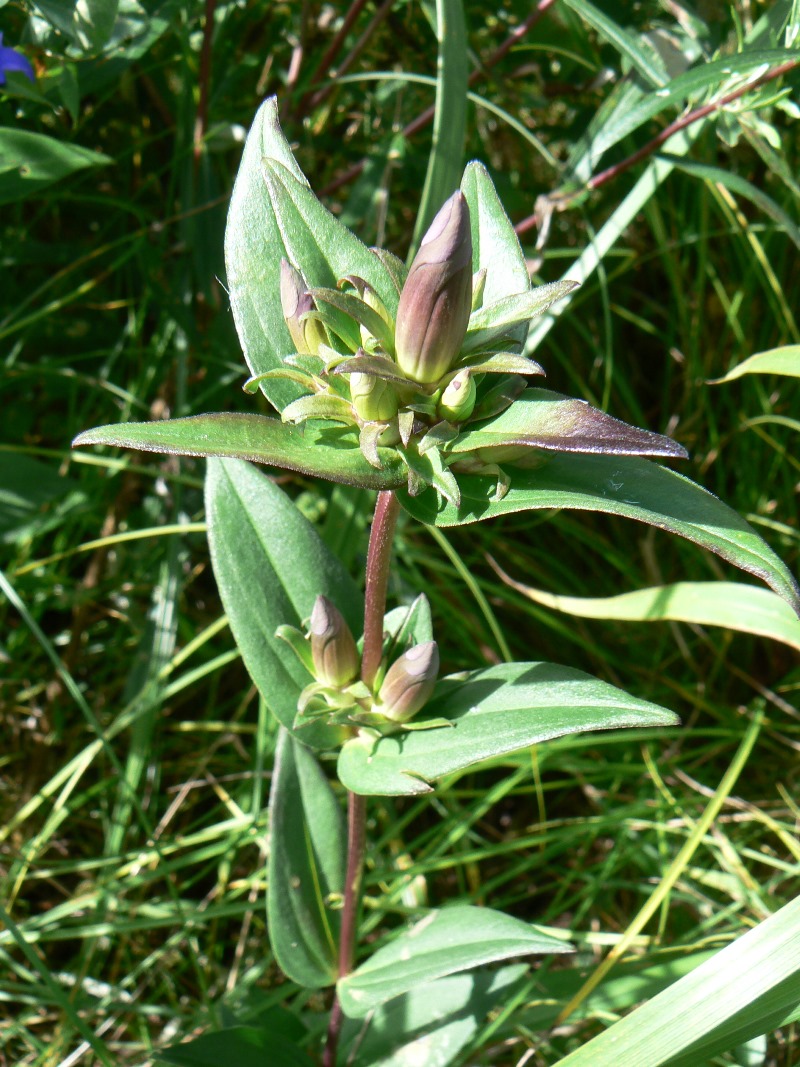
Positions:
{"x": 204, "y": 79}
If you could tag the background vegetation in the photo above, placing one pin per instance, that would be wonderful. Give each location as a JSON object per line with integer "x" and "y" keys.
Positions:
{"x": 129, "y": 925}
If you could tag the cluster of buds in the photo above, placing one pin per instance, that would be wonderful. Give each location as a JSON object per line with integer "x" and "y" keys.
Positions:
{"x": 329, "y": 652}
{"x": 409, "y": 382}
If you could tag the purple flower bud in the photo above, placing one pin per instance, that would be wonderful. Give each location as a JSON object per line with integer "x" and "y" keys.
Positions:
{"x": 436, "y": 300}
{"x": 333, "y": 648}
{"x": 12, "y": 60}
{"x": 409, "y": 683}
{"x": 373, "y": 398}
{"x": 458, "y": 399}
{"x": 296, "y": 301}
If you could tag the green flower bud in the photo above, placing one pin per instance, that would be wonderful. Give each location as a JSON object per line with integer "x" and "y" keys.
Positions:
{"x": 309, "y": 334}
{"x": 333, "y": 648}
{"x": 373, "y": 398}
{"x": 436, "y": 300}
{"x": 409, "y": 683}
{"x": 458, "y": 400}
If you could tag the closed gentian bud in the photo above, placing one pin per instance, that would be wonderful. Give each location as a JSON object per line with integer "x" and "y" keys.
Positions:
{"x": 296, "y": 301}
{"x": 333, "y": 649}
{"x": 409, "y": 683}
{"x": 436, "y": 300}
{"x": 458, "y": 400}
{"x": 373, "y": 398}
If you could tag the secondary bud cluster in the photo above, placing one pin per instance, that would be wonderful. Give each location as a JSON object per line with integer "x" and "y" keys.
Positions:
{"x": 409, "y": 683}
{"x": 337, "y": 694}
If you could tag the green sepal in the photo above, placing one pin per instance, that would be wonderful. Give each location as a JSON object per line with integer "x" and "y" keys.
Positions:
{"x": 430, "y": 470}
{"x": 296, "y": 640}
{"x": 319, "y": 406}
{"x": 377, "y": 366}
{"x": 357, "y": 309}
{"x": 439, "y": 436}
{"x": 496, "y": 320}
{"x": 291, "y": 374}
{"x": 338, "y": 325}
{"x": 499, "y": 363}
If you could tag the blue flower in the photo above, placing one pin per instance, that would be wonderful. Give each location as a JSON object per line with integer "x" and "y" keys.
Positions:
{"x": 10, "y": 59}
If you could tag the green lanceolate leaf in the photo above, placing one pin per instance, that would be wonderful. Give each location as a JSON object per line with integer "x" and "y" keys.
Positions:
{"x": 31, "y": 161}
{"x": 326, "y": 451}
{"x": 270, "y": 565}
{"x": 618, "y": 485}
{"x": 745, "y": 990}
{"x": 785, "y": 360}
{"x": 746, "y": 608}
{"x": 543, "y": 419}
{"x": 495, "y": 245}
{"x": 273, "y": 214}
{"x": 444, "y": 942}
{"x": 493, "y": 712}
{"x": 306, "y": 867}
{"x": 432, "y": 1022}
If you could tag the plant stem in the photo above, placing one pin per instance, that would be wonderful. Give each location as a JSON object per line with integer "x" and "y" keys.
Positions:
{"x": 379, "y": 556}
{"x": 378, "y": 559}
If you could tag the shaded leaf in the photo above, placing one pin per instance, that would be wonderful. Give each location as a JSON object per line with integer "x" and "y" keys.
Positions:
{"x": 242, "y": 1046}
{"x": 31, "y": 161}
{"x": 432, "y": 1022}
{"x": 444, "y": 942}
{"x": 306, "y": 866}
{"x": 493, "y": 712}
{"x": 270, "y": 565}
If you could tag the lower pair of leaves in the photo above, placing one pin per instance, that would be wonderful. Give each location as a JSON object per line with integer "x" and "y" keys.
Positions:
{"x": 430, "y": 1024}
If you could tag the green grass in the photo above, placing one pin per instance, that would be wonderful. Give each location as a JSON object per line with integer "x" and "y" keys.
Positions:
{"x": 138, "y": 755}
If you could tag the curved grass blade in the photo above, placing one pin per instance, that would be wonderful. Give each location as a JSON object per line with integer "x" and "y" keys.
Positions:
{"x": 745, "y": 608}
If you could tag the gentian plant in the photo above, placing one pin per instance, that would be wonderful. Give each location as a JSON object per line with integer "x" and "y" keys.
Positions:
{"x": 412, "y": 382}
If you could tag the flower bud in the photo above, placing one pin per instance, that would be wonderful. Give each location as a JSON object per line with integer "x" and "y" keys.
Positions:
{"x": 309, "y": 334}
{"x": 458, "y": 400}
{"x": 409, "y": 683}
{"x": 333, "y": 648}
{"x": 373, "y": 398}
{"x": 436, "y": 300}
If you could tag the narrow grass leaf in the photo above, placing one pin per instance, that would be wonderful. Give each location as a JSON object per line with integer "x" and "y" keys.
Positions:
{"x": 493, "y": 712}
{"x": 746, "y": 989}
{"x": 785, "y": 360}
{"x": 444, "y": 942}
{"x": 745, "y": 608}
{"x": 306, "y": 867}
{"x": 737, "y": 184}
{"x": 270, "y": 565}
{"x": 618, "y": 485}
{"x": 324, "y": 450}
{"x": 449, "y": 120}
